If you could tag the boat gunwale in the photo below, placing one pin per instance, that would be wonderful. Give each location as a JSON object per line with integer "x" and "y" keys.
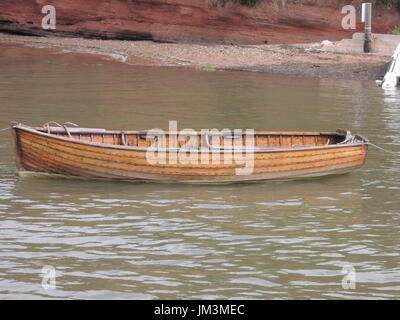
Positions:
{"x": 363, "y": 142}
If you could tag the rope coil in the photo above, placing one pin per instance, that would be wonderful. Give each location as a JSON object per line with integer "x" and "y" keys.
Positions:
{"x": 349, "y": 138}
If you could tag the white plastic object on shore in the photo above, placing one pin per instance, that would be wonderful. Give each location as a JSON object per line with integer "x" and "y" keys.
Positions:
{"x": 326, "y": 43}
{"x": 392, "y": 76}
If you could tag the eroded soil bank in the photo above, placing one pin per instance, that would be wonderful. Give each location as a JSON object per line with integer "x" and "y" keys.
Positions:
{"x": 269, "y": 22}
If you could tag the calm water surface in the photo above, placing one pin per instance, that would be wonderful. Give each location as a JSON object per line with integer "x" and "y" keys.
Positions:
{"x": 280, "y": 239}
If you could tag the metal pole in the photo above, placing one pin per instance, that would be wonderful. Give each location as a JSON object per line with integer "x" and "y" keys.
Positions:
{"x": 367, "y": 19}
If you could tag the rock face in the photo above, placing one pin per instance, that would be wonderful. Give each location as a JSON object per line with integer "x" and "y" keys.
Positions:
{"x": 271, "y": 21}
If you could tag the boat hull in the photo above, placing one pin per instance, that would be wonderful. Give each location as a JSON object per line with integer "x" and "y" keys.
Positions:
{"x": 45, "y": 153}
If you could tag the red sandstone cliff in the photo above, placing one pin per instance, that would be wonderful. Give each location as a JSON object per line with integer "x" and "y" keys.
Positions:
{"x": 272, "y": 21}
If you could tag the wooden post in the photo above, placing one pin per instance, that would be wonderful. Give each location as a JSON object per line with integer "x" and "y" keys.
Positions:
{"x": 366, "y": 17}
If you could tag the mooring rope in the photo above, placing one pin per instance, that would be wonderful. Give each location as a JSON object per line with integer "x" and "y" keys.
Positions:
{"x": 380, "y": 148}
{"x": 1, "y": 130}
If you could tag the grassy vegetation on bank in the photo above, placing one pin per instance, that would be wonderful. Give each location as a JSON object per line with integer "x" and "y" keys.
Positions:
{"x": 222, "y": 3}
{"x": 254, "y": 3}
{"x": 393, "y": 3}
{"x": 396, "y": 31}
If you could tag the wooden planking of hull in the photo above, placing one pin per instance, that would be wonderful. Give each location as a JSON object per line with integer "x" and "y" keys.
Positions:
{"x": 137, "y": 155}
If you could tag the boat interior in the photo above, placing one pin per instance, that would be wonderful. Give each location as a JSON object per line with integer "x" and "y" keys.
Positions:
{"x": 207, "y": 139}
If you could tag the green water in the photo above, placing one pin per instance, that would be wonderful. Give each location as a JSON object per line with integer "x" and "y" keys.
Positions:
{"x": 281, "y": 239}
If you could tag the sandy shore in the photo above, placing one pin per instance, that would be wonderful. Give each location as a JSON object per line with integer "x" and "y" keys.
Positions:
{"x": 310, "y": 60}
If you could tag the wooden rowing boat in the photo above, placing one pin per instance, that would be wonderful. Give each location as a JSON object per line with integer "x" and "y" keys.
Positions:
{"x": 124, "y": 155}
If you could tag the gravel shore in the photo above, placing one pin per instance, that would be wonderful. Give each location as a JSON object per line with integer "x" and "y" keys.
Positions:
{"x": 300, "y": 60}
